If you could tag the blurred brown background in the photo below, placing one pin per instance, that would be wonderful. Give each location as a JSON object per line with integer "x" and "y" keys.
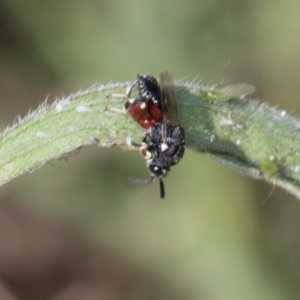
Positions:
{"x": 78, "y": 229}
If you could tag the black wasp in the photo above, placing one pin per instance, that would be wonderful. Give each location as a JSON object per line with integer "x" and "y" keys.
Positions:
{"x": 164, "y": 144}
{"x": 155, "y": 110}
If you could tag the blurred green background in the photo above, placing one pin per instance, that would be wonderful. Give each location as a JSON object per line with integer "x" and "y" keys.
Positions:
{"x": 218, "y": 235}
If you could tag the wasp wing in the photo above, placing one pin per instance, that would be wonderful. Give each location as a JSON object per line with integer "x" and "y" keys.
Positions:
{"x": 240, "y": 90}
{"x": 169, "y": 106}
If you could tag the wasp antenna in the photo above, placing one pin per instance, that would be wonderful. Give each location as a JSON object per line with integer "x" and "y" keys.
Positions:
{"x": 162, "y": 189}
{"x": 140, "y": 181}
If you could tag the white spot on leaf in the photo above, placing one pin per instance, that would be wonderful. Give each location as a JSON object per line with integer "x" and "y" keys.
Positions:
{"x": 227, "y": 122}
{"x": 58, "y": 107}
{"x": 9, "y": 167}
{"x": 82, "y": 108}
{"x": 128, "y": 141}
{"x": 42, "y": 134}
{"x": 71, "y": 129}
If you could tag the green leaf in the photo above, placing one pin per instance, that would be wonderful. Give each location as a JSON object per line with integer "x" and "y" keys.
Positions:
{"x": 248, "y": 135}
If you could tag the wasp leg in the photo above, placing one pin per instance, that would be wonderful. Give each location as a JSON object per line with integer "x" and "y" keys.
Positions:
{"x": 127, "y": 93}
{"x": 162, "y": 189}
{"x": 116, "y": 110}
